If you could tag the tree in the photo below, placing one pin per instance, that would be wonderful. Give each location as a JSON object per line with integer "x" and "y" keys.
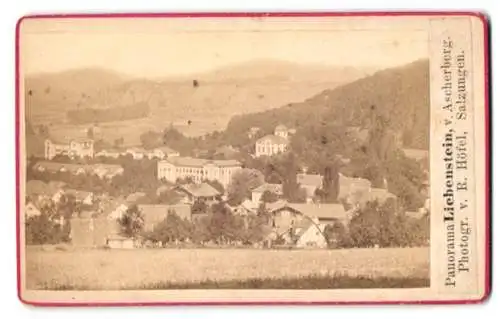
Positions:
{"x": 336, "y": 235}
{"x": 171, "y": 229}
{"x": 151, "y": 139}
{"x": 269, "y": 197}
{"x": 223, "y": 226}
{"x": 45, "y": 229}
{"x": 291, "y": 188}
{"x": 330, "y": 191}
{"x": 90, "y": 133}
{"x": 379, "y": 224}
{"x": 242, "y": 183}
{"x": 132, "y": 222}
{"x": 119, "y": 142}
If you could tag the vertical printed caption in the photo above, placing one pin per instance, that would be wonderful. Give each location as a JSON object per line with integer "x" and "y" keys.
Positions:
{"x": 452, "y": 157}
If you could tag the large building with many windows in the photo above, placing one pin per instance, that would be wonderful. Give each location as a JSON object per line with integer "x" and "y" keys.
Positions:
{"x": 272, "y": 144}
{"x": 197, "y": 169}
{"x": 72, "y": 148}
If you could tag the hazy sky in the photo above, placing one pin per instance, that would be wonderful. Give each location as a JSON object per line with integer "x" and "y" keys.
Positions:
{"x": 164, "y": 47}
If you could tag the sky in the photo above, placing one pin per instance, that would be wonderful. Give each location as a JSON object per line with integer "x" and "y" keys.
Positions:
{"x": 168, "y": 47}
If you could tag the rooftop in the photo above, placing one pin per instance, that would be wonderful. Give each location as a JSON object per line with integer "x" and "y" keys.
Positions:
{"x": 311, "y": 210}
{"x": 154, "y": 214}
{"x": 166, "y": 150}
{"x": 200, "y": 190}
{"x": 200, "y": 162}
{"x": 416, "y": 154}
{"x": 315, "y": 180}
{"x": 274, "y": 188}
{"x": 274, "y": 139}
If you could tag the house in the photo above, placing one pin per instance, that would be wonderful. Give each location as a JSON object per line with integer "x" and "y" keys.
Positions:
{"x": 162, "y": 189}
{"x": 101, "y": 170}
{"x": 31, "y": 210}
{"x": 115, "y": 241}
{"x": 134, "y": 197}
{"x": 259, "y": 191}
{"x": 253, "y": 131}
{"x": 107, "y": 170}
{"x": 198, "y": 192}
{"x": 310, "y": 234}
{"x": 226, "y": 151}
{"x": 39, "y": 191}
{"x": 155, "y": 214}
{"x": 82, "y": 147}
{"x": 299, "y": 224}
{"x": 286, "y": 215}
{"x": 137, "y": 153}
{"x": 162, "y": 153}
{"x": 198, "y": 169}
{"x": 380, "y": 195}
{"x": 353, "y": 188}
{"x": 310, "y": 182}
{"x": 114, "y": 209}
{"x": 110, "y": 153}
{"x": 416, "y": 154}
{"x": 272, "y": 144}
{"x": 80, "y": 196}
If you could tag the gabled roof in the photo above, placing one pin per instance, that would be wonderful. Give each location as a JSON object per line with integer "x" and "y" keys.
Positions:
{"x": 312, "y": 180}
{"x": 273, "y": 139}
{"x": 199, "y": 162}
{"x": 167, "y": 150}
{"x": 66, "y": 139}
{"x": 74, "y": 168}
{"x": 200, "y": 190}
{"x": 274, "y": 188}
{"x": 311, "y": 210}
{"x": 249, "y": 205}
{"x": 352, "y": 184}
{"x": 154, "y": 214}
{"x": 281, "y": 128}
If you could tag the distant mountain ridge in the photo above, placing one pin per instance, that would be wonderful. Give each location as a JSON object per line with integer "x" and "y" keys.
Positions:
{"x": 248, "y": 87}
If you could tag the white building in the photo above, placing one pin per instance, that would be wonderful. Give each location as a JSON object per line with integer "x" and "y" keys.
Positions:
{"x": 198, "y": 169}
{"x": 272, "y": 144}
{"x": 72, "y": 148}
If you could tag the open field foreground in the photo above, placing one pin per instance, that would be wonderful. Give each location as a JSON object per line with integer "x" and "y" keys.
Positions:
{"x": 226, "y": 268}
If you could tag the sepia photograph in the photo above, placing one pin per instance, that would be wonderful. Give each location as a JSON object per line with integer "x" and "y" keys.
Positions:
{"x": 233, "y": 154}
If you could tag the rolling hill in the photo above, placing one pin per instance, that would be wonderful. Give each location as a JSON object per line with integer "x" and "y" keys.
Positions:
{"x": 400, "y": 94}
{"x": 208, "y": 100}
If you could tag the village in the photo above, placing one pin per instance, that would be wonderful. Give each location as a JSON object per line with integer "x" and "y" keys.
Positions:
{"x": 197, "y": 200}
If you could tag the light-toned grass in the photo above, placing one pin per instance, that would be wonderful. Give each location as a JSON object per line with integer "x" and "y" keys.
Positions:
{"x": 125, "y": 269}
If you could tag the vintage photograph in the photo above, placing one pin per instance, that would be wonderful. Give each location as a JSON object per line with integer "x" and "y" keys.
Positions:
{"x": 250, "y": 153}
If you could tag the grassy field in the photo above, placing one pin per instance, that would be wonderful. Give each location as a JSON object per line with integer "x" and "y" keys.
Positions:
{"x": 226, "y": 268}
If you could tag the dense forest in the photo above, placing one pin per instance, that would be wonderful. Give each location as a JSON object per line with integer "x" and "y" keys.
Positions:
{"x": 401, "y": 94}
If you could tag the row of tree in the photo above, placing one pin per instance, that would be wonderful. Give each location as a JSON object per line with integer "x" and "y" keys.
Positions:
{"x": 374, "y": 225}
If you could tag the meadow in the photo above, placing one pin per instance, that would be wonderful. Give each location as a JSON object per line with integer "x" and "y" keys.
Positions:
{"x": 96, "y": 269}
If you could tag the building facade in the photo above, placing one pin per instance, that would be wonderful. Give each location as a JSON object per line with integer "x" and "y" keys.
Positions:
{"x": 272, "y": 144}
{"x": 197, "y": 169}
{"x": 73, "y": 148}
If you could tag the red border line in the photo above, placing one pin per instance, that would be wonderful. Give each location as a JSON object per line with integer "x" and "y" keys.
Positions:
{"x": 483, "y": 18}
